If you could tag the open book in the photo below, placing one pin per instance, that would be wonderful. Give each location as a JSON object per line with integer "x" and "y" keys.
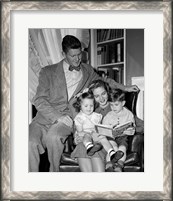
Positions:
{"x": 113, "y": 131}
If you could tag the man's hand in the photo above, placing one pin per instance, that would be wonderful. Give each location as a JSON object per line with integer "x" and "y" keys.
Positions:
{"x": 66, "y": 120}
{"x": 132, "y": 88}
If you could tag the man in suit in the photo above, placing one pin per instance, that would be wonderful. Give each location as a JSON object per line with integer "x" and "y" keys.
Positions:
{"x": 55, "y": 95}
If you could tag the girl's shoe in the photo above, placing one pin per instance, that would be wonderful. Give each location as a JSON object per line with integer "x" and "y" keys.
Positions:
{"x": 92, "y": 150}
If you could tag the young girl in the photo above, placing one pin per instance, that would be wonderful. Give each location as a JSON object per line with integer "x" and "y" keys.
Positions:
{"x": 85, "y": 122}
{"x": 119, "y": 115}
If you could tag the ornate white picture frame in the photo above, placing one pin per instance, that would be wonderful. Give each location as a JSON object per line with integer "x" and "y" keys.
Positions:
{"x": 7, "y": 72}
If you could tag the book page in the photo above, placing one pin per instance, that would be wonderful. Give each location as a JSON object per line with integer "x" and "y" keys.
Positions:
{"x": 109, "y": 131}
{"x": 104, "y": 131}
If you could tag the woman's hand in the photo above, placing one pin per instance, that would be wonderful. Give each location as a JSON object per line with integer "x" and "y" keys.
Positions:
{"x": 129, "y": 131}
{"x": 132, "y": 88}
{"x": 78, "y": 137}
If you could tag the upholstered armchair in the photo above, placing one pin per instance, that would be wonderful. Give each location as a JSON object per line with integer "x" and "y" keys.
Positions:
{"x": 135, "y": 152}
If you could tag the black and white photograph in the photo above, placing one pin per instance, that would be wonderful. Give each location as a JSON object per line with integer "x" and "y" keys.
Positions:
{"x": 79, "y": 78}
{"x": 86, "y": 100}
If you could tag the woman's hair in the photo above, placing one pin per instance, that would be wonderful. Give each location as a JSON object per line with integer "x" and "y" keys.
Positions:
{"x": 77, "y": 103}
{"x": 99, "y": 83}
{"x": 116, "y": 95}
{"x": 70, "y": 42}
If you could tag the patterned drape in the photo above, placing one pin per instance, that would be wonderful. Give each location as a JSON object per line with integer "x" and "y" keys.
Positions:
{"x": 45, "y": 49}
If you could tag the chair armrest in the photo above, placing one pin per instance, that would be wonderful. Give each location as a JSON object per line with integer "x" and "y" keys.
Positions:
{"x": 69, "y": 144}
{"x": 136, "y": 150}
{"x": 137, "y": 142}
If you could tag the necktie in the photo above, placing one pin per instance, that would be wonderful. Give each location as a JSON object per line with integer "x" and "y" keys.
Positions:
{"x": 74, "y": 68}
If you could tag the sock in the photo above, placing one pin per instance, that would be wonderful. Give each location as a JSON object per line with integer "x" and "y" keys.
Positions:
{"x": 89, "y": 145}
{"x": 111, "y": 153}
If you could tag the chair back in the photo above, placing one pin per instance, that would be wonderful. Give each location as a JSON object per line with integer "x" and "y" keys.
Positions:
{"x": 131, "y": 101}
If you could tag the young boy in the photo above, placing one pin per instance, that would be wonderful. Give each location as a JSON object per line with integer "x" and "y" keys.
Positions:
{"x": 119, "y": 115}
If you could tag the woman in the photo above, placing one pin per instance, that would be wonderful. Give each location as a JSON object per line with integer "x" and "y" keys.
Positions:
{"x": 101, "y": 90}
{"x": 97, "y": 162}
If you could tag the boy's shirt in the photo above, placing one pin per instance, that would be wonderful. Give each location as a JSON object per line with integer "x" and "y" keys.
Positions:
{"x": 122, "y": 117}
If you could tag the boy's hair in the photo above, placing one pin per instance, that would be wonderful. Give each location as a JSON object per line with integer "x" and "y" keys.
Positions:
{"x": 70, "y": 42}
{"x": 116, "y": 95}
{"x": 99, "y": 83}
{"x": 77, "y": 103}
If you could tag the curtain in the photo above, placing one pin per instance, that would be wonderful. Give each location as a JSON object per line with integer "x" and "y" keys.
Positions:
{"x": 45, "y": 49}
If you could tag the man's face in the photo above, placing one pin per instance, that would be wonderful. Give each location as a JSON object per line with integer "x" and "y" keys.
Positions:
{"x": 73, "y": 57}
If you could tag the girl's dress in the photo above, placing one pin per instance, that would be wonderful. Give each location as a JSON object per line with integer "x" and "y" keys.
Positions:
{"x": 80, "y": 150}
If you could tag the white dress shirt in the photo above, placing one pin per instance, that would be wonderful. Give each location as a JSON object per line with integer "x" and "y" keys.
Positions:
{"x": 72, "y": 79}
